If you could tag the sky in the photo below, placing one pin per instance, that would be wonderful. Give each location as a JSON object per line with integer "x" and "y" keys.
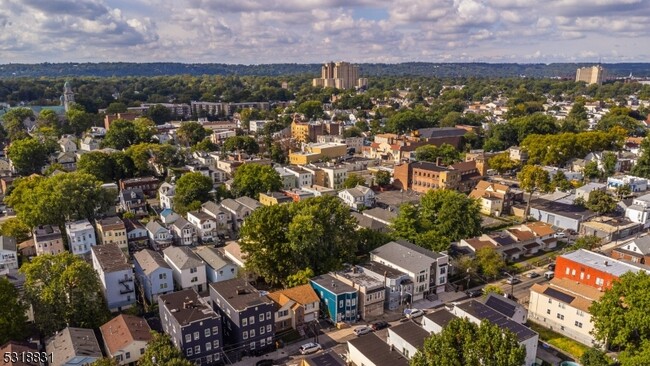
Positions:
{"x": 316, "y": 31}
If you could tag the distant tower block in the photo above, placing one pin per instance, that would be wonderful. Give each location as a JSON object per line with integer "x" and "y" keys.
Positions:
{"x": 68, "y": 96}
{"x": 591, "y": 75}
{"x": 340, "y": 75}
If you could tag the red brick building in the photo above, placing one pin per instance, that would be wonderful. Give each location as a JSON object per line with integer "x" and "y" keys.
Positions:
{"x": 591, "y": 269}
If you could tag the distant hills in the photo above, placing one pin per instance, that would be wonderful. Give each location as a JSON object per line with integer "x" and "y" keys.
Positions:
{"x": 442, "y": 70}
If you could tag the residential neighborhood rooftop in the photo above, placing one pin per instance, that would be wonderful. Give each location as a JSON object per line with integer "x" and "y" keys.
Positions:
{"x": 150, "y": 261}
{"x": 482, "y": 311}
{"x": 378, "y": 351}
{"x": 412, "y": 333}
{"x": 110, "y": 257}
{"x": 124, "y": 329}
{"x": 601, "y": 262}
{"x": 183, "y": 257}
{"x": 186, "y": 306}
{"x": 72, "y": 342}
{"x": 239, "y": 293}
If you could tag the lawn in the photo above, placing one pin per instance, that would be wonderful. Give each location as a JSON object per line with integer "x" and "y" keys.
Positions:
{"x": 573, "y": 348}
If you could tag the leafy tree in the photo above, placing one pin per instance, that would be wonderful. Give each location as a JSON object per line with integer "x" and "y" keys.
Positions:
{"x": 282, "y": 240}
{"x": 301, "y": 277}
{"x": 252, "y": 179}
{"x": 591, "y": 170}
{"x": 589, "y": 242}
{"x": 462, "y": 342}
{"x": 121, "y": 135}
{"x": 533, "y": 179}
{"x": 642, "y": 166}
{"x": 312, "y": 109}
{"x": 443, "y": 216}
{"x": 15, "y": 228}
{"x": 145, "y": 129}
{"x": 161, "y": 351}
{"x": 382, "y": 178}
{"x": 407, "y": 120}
{"x": 369, "y": 240}
{"x": 12, "y": 313}
{"x": 241, "y": 143}
{"x": 78, "y": 119}
{"x": 159, "y": 114}
{"x": 490, "y": 262}
{"x": 500, "y": 137}
{"x": 191, "y": 133}
{"x": 502, "y": 163}
{"x": 609, "y": 163}
{"x": 116, "y": 107}
{"x": 64, "y": 290}
{"x": 105, "y": 361}
{"x": 354, "y": 180}
{"x": 560, "y": 182}
{"x": 618, "y": 116}
{"x": 600, "y": 202}
{"x": 447, "y": 154}
{"x": 621, "y": 317}
{"x": 640, "y": 356}
{"x": 48, "y": 118}
{"x": 278, "y": 155}
{"x": 352, "y": 132}
{"x": 190, "y": 188}
{"x": 99, "y": 164}
{"x": 623, "y": 191}
{"x": 492, "y": 289}
{"x": 595, "y": 357}
{"x": 28, "y": 155}
{"x": 205, "y": 146}
{"x": 537, "y": 123}
{"x": 13, "y": 122}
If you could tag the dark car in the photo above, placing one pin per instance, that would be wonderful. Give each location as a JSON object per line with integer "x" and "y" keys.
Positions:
{"x": 474, "y": 293}
{"x": 380, "y": 325}
{"x": 551, "y": 266}
{"x": 264, "y": 363}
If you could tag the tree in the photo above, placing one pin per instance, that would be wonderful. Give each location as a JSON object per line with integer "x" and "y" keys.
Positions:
{"x": 252, "y": 179}
{"x": 609, "y": 163}
{"x": 623, "y": 191}
{"x": 600, "y": 202}
{"x": 241, "y": 143}
{"x": 78, "y": 119}
{"x": 15, "y": 228}
{"x": 281, "y": 240}
{"x": 28, "y": 155}
{"x": 145, "y": 129}
{"x": 191, "y": 133}
{"x": 502, "y": 163}
{"x": 191, "y": 188}
{"x": 105, "y": 361}
{"x": 640, "y": 356}
{"x": 591, "y": 170}
{"x": 533, "y": 179}
{"x": 560, "y": 182}
{"x": 492, "y": 289}
{"x": 352, "y": 132}
{"x": 64, "y": 291}
{"x": 116, "y": 107}
{"x": 312, "y": 109}
{"x": 159, "y": 114}
{"x": 12, "y": 313}
{"x": 595, "y": 357}
{"x": 48, "y": 118}
{"x": 354, "y": 180}
{"x": 98, "y": 164}
{"x": 490, "y": 262}
{"x": 121, "y": 134}
{"x": 161, "y": 351}
{"x": 462, "y": 342}
{"x": 301, "y": 277}
{"x": 589, "y": 242}
{"x": 382, "y": 178}
{"x": 642, "y": 166}
{"x": 445, "y": 152}
{"x": 14, "y": 122}
{"x": 205, "y": 146}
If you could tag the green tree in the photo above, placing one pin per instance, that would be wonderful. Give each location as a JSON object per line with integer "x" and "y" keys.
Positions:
{"x": 241, "y": 143}
{"x": 354, "y": 180}
{"x": 78, "y": 120}
{"x": 12, "y": 313}
{"x": 159, "y": 114}
{"x": 116, "y": 107}
{"x": 191, "y": 133}
{"x": 13, "y": 122}
{"x": 447, "y": 154}
{"x": 252, "y": 179}
{"x": 161, "y": 351}
{"x": 191, "y": 188}
{"x": 609, "y": 163}
{"x": 105, "y": 361}
{"x": 144, "y": 128}
{"x": 121, "y": 135}
{"x": 560, "y": 182}
{"x": 589, "y": 242}
{"x": 600, "y": 202}
{"x": 301, "y": 277}
{"x": 502, "y": 163}
{"x": 28, "y": 155}
{"x": 48, "y": 118}
{"x": 462, "y": 342}
{"x": 533, "y": 179}
{"x": 382, "y": 178}
{"x": 492, "y": 289}
{"x": 98, "y": 164}
{"x": 490, "y": 263}
{"x": 15, "y": 228}
{"x": 312, "y": 109}
{"x": 596, "y": 357}
{"x": 205, "y": 146}
{"x": 642, "y": 166}
{"x": 634, "y": 357}
{"x": 591, "y": 170}
{"x": 64, "y": 290}
{"x": 623, "y": 191}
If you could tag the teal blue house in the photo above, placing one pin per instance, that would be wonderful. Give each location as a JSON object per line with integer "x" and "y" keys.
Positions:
{"x": 339, "y": 301}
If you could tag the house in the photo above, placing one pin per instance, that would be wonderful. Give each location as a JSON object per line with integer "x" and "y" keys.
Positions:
{"x": 557, "y": 213}
{"x": 476, "y": 312}
{"x": 136, "y": 234}
{"x": 427, "y": 269}
{"x": 73, "y": 347}
{"x": 358, "y": 197}
{"x": 407, "y": 338}
{"x": 111, "y": 230}
{"x": 193, "y": 326}
{"x": 436, "y": 321}
{"x": 636, "y": 184}
{"x": 296, "y": 307}
{"x": 563, "y": 305}
{"x": 370, "y": 350}
{"x": 303, "y": 178}
{"x": 15, "y": 349}
{"x": 584, "y": 191}
{"x": 159, "y": 236}
{"x": 298, "y": 194}
{"x": 133, "y": 201}
{"x": 247, "y": 315}
{"x": 337, "y": 299}
{"x": 27, "y": 248}
{"x": 639, "y": 210}
{"x": 125, "y": 338}
{"x": 381, "y": 215}
{"x": 334, "y": 175}
{"x": 184, "y": 232}
{"x": 369, "y": 223}
{"x": 274, "y": 198}
{"x": 67, "y": 159}
{"x": 205, "y": 225}
{"x": 218, "y": 266}
{"x": 48, "y": 240}
{"x": 166, "y": 195}
{"x": 610, "y": 228}
{"x": 507, "y": 307}
{"x": 81, "y": 236}
{"x": 518, "y": 154}
{"x": 371, "y": 294}
{"x": 168, "y": 216}
{"x": 636, "y": 250}
{"x": 495, "y": 199}
{"x": 240, "y": 209}
{"x": 222, "y": 217}
{"x": 188, "y": 268}
{"x": 288, "y": 178}
{"x": 68, "y": 143}
{"x": 153, "y": 274}
{"x": 116, "y": 275}
{"x": 8, "y": 253}
{"x": 89, "y": 143}
{"x": 148, "y": 185}
{"x": 397, "y": 284}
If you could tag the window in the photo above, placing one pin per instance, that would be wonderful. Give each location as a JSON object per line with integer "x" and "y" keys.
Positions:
{"x": 197, "y": 349}
{"x": 193, "y": 270}
{"x": 252, "y": 345}
{"x": 261, "y": 317}
{"x": 215, "y": 330}
{"x": 269, "y": 340}
{"x": 261, "y": 330}
{"x": 163, "y": 285}
{"x": 196, "y": 336}
{"x": 268, "y": 328}
{"x": 599, "y": 281}
{"x": 251, "y": 320}
{"x": 142, "y": 351}
{"x": 208, "y": 346}
{"x": 268, "y": 315}
{"x": 128, "y": 355}
{"x": 580, "y": 313}
{"x": 162, "y": 276}
{"x": 548, "y": 311}
{"x": 207, "y": 332}
{"x": 550, "y": 301}
{"x": 189, "y": 351}
{"x": 215, "y": 344}
{"x": 188, "y": 338}
{"x": 245, "y": 334}
{"x": 341, "y": 303}
{"x": 568, "y": 270}
{"x": 354, "y": 302}
{"x": 252, "y": 333}
{"x": 561, "y": 305}
{"x": 262, "y": 342}
{"x": 578, "y": 324}
{"x": 560, "y": 316}
{"x": 244, "y": 322}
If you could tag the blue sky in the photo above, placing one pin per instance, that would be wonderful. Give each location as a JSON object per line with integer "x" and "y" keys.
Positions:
{"x": 314, "y": 31}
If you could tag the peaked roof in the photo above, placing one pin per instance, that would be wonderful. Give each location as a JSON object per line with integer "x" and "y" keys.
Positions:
{"x": 123, "y": 330}
{"x": 7, "y": 243}
{"x": 150, "y": 261}
{"x": 154, "y": 226}
{"x": 183, "y": 257}
{"x": 303, "y": 294}
{"x": 643, "y": 243}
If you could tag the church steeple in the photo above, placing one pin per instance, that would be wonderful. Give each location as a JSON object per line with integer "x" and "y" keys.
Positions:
{"x": 68, "y": 96}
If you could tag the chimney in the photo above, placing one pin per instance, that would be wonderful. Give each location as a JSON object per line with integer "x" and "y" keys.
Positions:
{"x": 438, "y": 161}
{"x": 606, "y": 263}
{"x": 333, "y": 283}
{"x": 188, "y": 304}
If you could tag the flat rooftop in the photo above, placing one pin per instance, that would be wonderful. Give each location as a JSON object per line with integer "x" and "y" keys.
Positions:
{"x": 484, "y": 312}
{"x": 601, "y": 262}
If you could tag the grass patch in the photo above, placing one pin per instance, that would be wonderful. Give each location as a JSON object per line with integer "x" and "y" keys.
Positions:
{"x": 573, "y": 348}
{"x": 289, "y": 336}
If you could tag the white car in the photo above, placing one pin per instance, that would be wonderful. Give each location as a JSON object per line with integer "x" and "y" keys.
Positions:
{"x": 413, "y": 313}
{"x": 310, "y": 347}
{"x": 364, "y": 329}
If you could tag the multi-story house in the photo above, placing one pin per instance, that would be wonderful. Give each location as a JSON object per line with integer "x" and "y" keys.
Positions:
{"x": 8, "y": 253}
{"x": 168, "y": 216}
{"x": 295, "y": 307}
{"x": 125, "y": 338}
{"x": 133, "y": 201}
{"x": 636, "y": 250}
{"x": 48, "y": 240}
{"x": 184, "y": 232}
{"x": 407, "y": 338}
{"x": 335, "y": 175}
{"x": 205, "y": 225}
{"x": 73, "y": 347}
{"x": 218, "y": 266}
{"x": 193, "y": 326}
{"x": 136, "y": 234}
{"x": 81, "y": 236}
{"x": 427, "y": 269}
{"x": 222, "y": 216}
{"x": 111, "y": 230}
{"x": 422, "y": 176}
{"x": 397, "y": 284}
{"x": 155, "y": 277}
{"x": 495, "y": 199}
{"x": 240, "y": 209}
{"x": 188, "y": 268}
{"x": 116, "y": 275}
{"x": 89, "y": 144}
{"x": 247, "y": 315}
{"x": 274, "y": 198}
{"x": 358, "y": 198}
{"x": 303, "y": 177}
{"x": 337, "y": 299}
{"x": 639, "y": 210}
{"x": 159, "y": 236}
{"x": 166, "y": 194}
{"x": 68, "y": 143}
{"x": 636, "y": 184}
{"x": 148, "y": 185}
{"x": 288, "y": 178}
{"x": 372, "y": 292}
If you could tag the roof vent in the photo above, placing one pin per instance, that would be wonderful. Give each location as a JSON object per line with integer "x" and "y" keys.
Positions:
{"x": 188, "y": 304}
{"x": 606, "y": 263}
{"x": 241, "y": 291}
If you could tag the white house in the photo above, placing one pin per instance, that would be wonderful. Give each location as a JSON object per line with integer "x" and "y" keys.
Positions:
{"x": 188, "y": 268}
{"x": 240, "y": 209}
{"x": 358, "y": 197}
{"x": 73, "y": 347}
{"x": 288, "y": 178}
{"x": 370, "y": 350}
{"x": 184, "y": 232}
{"x": 639, "y": 210}
{"x": 303, "y": 177}
{"x": 636, "y": 184}
{"x": 218, "y": 266}
{"x": 81, "y": 236}
{"x": 159, "y": 236}
{"x": 116, "y": 276}
{"x": 584, "y": 191}
{"x": 125, "y": 338}
{"x": 168, "y": 216}
{"x": 407, "y": 338}
{"x": 89, "y": 144}
{"x": 166, "y": 195}
{"x": 68, "y": 143}
{"x": 153, "y": 274}
{"x": 223, "y": 217}
{"x": 205, "y": 225}
{"x": 8, "y": 253}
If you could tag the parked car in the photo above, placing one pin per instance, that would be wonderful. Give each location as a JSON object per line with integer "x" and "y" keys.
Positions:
{"x": 560, "y": 235}
{"x": 380, "y": 325}
{"x": 364, "y": 329}
{"x": 413, "y": 313}
{"x": 513, "y": 280}
{"x": 549, "y": 275}
{"x": 309, "y": 348}
{"x": 551, "y": 267}
{"x": 533, "y": 275}
{"x": 474, "y": 293}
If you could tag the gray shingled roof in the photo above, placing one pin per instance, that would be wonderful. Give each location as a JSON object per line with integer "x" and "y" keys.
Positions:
{"x": 183, "y": 257}
{"x": 154, "y": 226}
{"x": 643, "y": 243}
{"x": 72, "y": 342}
{"x": 211, "y": 257}
{"x": 405, "y": 254}
{"x": 7, "y": 243}
{"x": 150, "y": 261}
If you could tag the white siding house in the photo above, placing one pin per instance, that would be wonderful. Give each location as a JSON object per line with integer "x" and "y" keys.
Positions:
{"x": 116, "y": 276}
{"x": 188, "y": 268}
{"x": 81, "y": 236}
